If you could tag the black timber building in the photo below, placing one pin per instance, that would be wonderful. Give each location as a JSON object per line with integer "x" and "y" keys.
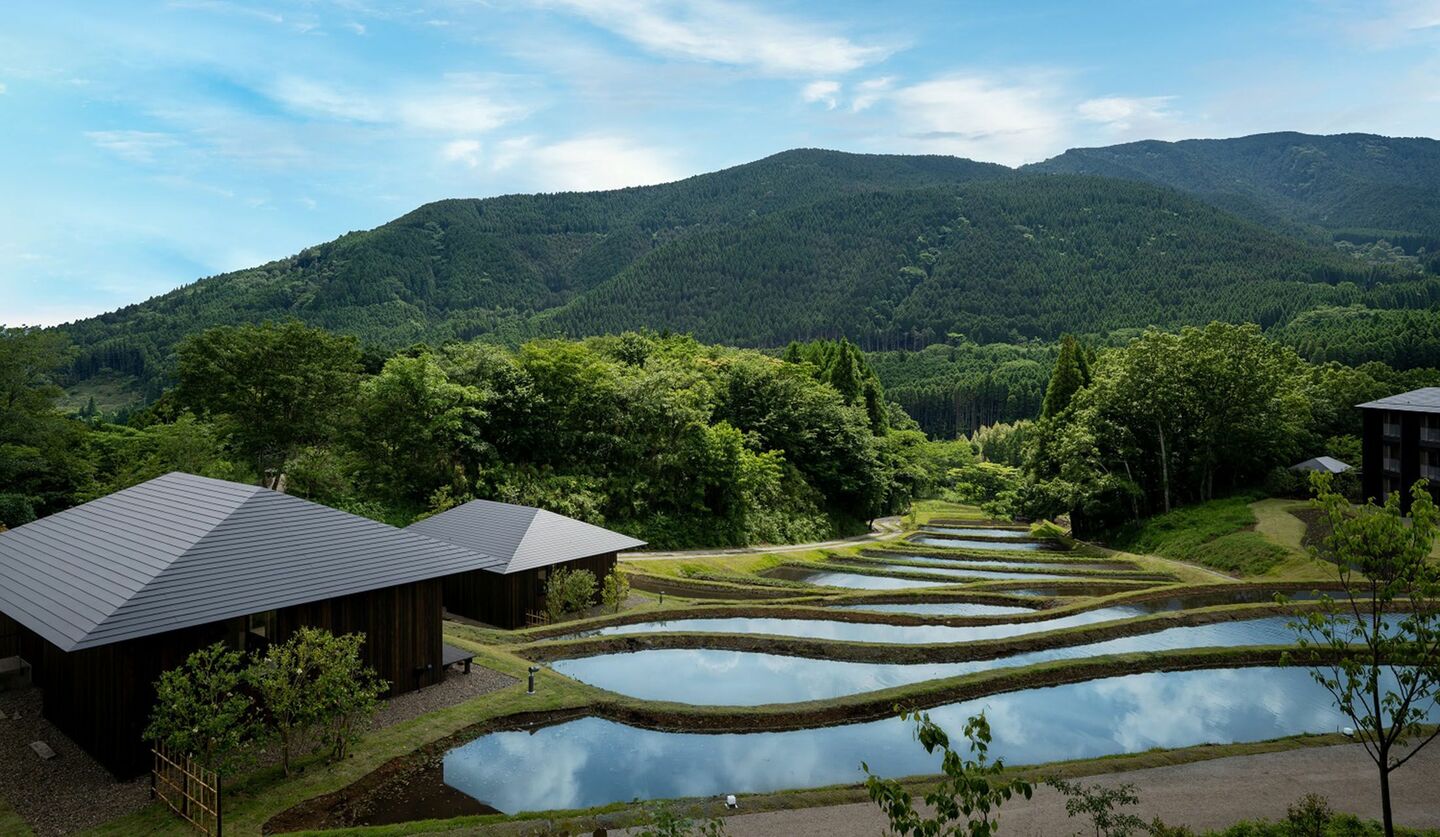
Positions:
{"x": 1401, "y": 444}
{"x": 102, "y": 598}
{"x": 526, "y": 545}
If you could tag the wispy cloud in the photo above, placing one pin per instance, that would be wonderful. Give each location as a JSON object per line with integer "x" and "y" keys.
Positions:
{"x": 134, "y": 146}
{"x": 824, "y": 92}
{"x": 465, "y": 151}
{"x": 588, "y": 163}
{"x": 982, "y": 117}
{"x": 729, "y": 33}
{"x": 1128, "y": 113}
{"x": 462, "y": 104}
{"x": 870, "y": 91}
{"x": 1393, "y": 23}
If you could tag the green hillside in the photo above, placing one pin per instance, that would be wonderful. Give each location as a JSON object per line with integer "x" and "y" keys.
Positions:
{"x": 892, "y": 252}
{"x": 1355, "y": 187}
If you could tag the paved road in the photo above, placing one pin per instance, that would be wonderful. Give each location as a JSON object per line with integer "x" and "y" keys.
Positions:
{"x": 884, "y": 529}
{"x": 1202, "y": 795}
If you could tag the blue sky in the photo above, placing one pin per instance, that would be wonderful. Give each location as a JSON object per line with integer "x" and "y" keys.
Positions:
{"x": 146, "y": 144}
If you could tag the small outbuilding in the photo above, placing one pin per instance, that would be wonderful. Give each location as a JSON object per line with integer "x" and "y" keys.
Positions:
{"x": 1323, "y": 464}
{"x": 526, "y": 545}
{"x": 102, "y": 598}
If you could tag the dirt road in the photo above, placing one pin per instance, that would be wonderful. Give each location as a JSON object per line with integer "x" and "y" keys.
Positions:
{"x": 1202, "y": 795}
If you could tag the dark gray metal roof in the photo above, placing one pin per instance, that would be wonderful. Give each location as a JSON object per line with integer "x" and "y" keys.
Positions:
{"x": 1424, "y": 400}
{"x": 1328, "y": 464}
{"x": 182, "y": 550}
{"x": 521, "y": 537}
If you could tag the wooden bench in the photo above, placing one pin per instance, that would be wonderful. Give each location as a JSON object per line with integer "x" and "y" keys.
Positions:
{"x": 450, "y": 655}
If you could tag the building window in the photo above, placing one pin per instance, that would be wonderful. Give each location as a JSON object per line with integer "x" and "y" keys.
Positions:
{"x": 1392, "y": 424}
{"x": 1430, "y": 428}
{"x": 1392, "y": 458}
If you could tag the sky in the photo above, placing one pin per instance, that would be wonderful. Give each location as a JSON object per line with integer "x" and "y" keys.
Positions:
{"x": 146, "y": 144}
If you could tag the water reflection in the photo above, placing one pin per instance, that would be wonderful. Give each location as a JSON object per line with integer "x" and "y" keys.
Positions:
{"x": 970, "y": 571}
{"x": 864, "y": 631}
{"x": 855, "y": 581}
{"x": 939, "y": 608}
{"x": 961, "y": 543}
{"x": 1008, "y": 563}
{"x": 590, "y": 761}
{"x": 977, "y": 532}
{"x": 749, "y": 678}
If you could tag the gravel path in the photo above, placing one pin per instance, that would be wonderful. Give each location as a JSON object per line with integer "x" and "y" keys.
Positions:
{"x": 72, "y": 792}
{"x": 1202, "y": 795}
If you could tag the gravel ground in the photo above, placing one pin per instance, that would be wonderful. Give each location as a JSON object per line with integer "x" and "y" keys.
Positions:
{"x": 1202, "y": 795}
{"x": 72, "y": 792}
{"x": 66, "y": 793}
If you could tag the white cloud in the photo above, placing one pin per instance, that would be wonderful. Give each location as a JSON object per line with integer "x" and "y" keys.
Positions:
{"x": 729, "y": 33}
{"x": 981, "y": 117}
{"x": 1124, "y": 113}
{"x": 463, "y": 151}
{"x": 587, "y": 163}
{"x": 869, "y": 92}
{"x": 463, "y": 104}
{"x": 134, "y": 146}
{"x": 825, "y": 92}
{"x": 3, "y": 88}
{"x": 1390, "y": 24}
{"x": 357, "y": 28}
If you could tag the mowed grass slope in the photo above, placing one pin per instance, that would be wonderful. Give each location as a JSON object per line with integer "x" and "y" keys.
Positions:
{"x": 1223, "y": 534}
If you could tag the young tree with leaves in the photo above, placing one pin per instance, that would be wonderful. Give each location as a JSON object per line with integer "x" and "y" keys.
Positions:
{"x": 615, "y": 590}
{"x": 201, "y": 709}
{"x": 347, "y": 691}
{"x": 1102, "y": 805}
{"x": 1377, "y": 650}
{"x": 968, "y": 796}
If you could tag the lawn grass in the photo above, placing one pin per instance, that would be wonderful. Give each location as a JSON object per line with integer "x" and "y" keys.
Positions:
{"x": 1221, "y": 534}
{"x": 11, "y": 825}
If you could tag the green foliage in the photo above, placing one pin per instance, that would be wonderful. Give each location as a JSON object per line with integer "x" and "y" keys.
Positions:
{"x": 1072, "y": 374}
{"x": 569, "y": 592}
{"x": 1309, "y": 816}
{"x": 1101, "y": 805}
{"x": 202, "y": 710}
{"x": 615, "y": 590}
{"x": 1006, "y": 442}
{"x": 346, "y": 690}
{"x": 967, "y": 799}
{"x": 1339, "y": 825}
{"x": 15, "y": 510}
{"x": 271, "y": 388}
{"x": 1178, "y": 416}
{"x": 1381, "y": 558}
{"x": 981, "y": 482}
{"x": 953, "y": 390}
{"x": 42, "y": 459}
{"x": 1217, "y": 534}
{"x": 662, "y": 820}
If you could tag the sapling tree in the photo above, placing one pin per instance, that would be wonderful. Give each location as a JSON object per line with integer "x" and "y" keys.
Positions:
{"x": 1102, "y": 804}
{"x": 568, "y": 591}
{"x": 200, "y": 709}
{"x": 347, "y": 690}
{"x": 1377, "y": 648}
{"x": 615, "y": 590}
{"x": 968, "y": 796}
{"x": 285, "y": 680}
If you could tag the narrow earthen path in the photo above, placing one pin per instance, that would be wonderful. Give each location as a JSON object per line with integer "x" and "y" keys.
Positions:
{"x": 1202, "y": 795}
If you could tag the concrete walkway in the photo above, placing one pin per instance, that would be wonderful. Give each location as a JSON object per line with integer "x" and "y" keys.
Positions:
{"x": 1202, "y": 795}
{"x": 884, "y": 529}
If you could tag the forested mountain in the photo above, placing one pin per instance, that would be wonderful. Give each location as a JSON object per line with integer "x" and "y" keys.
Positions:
{"x": 891, "y": 252}
{"x": 1352, "y": 186}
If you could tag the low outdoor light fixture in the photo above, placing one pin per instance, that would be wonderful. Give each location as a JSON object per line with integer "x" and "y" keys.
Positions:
{"x": 533, "y": 669}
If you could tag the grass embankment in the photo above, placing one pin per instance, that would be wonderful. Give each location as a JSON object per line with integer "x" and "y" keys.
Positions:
{"x": 1225, "y": 535}
{"x": 11, "y": 824}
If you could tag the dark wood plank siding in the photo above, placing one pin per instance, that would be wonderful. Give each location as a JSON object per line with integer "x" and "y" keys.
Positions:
{"x": 402, "y": 627}
{"x": 505, "y": 600}
{"x": 101, "y": 697}
{"x": 9, "y": 637}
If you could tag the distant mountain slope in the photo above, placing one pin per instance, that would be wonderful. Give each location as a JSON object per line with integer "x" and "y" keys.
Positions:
{"x": 891, "y": 251}
{"x": 1361, "y": 186}
{"x": 997, "y": 261}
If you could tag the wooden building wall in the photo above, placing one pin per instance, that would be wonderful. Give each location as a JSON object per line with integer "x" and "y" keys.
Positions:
{"x": 505, "y": 600}
{"x": 102, "y": 697}
{"x": 9, "y": 636}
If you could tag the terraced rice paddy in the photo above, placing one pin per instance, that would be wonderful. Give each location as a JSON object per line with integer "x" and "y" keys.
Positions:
{"x": 578, "y": 763}
{"x": 749, "y": 678}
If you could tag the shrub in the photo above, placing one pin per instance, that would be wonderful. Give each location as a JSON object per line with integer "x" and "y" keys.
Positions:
{"x": 15, "y": 510}
{"x": 1309, "y": 815}
{"x": 1101, "y": 804}
{"x": 201, "y": 711}
{"x": 1283, "y": 482}
{"x": 569, "y": 592}
{"x": 615, "y": 590}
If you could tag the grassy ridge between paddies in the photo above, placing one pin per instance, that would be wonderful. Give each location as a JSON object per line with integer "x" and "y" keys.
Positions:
{"x": 1225, "y": 535}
